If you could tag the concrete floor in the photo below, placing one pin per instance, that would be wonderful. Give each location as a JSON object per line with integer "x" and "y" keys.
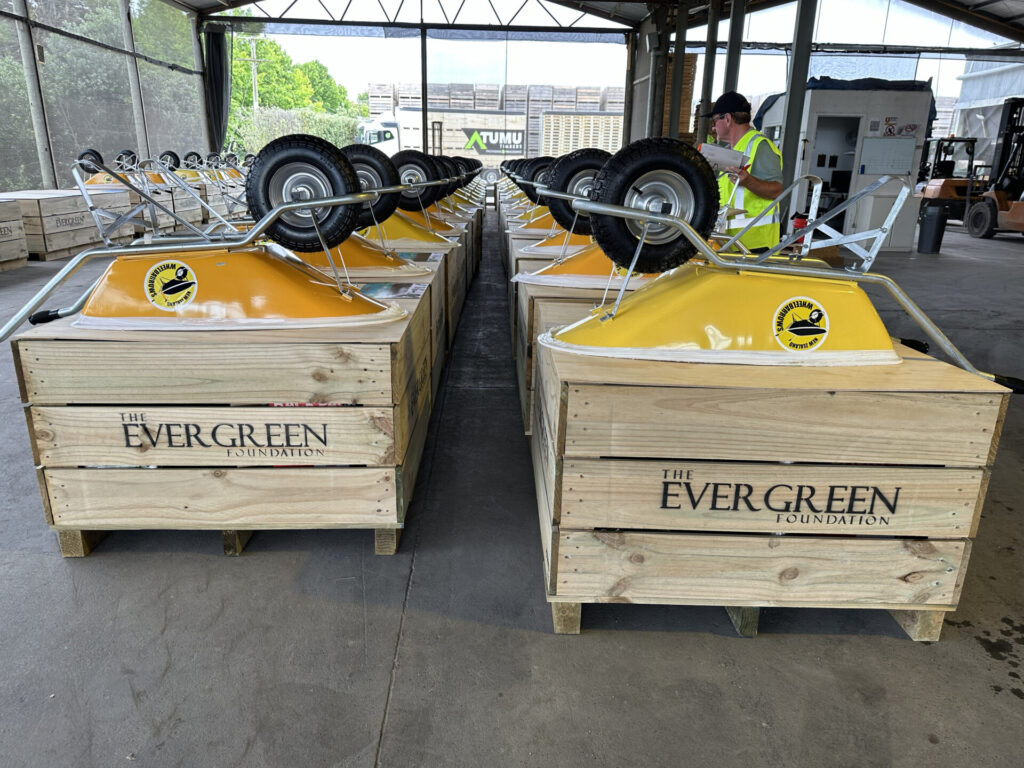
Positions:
{"x": 309, "y": 650}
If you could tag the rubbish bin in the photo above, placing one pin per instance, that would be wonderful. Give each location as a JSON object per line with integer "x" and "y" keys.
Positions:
{"x": 933, "y": 226}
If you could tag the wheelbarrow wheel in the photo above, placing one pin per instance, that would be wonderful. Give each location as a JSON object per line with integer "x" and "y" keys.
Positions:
{"x": 535, "y": 171}
{"x": 231, "y": 158}
{"x": 170, "y": 159}
{"x": 90, "y": 160}
{"x": 574, "y": 174}
{"x": 247, "y": 160}
{"x": 982, "y": 219}
{"x": 214, "y": 160}
{"x": 374, "y": 170}
{"x": 414, "y": 167}
{"x": 450, "y": 170}
{"x": 301, "y": 167}
{"x": 662, "y": 176}
{"x": 192, "y": 160}
{"x": 126, "y": 160}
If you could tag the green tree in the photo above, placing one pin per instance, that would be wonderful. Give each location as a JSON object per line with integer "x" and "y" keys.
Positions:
{"x": 326, "y": 93}
{"x": 279, "y": 83}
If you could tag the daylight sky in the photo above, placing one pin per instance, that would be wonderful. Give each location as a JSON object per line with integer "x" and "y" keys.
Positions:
{"x": 355, "y": 62}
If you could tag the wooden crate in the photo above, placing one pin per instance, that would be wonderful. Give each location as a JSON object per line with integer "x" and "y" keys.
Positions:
{"x": 454, "y": 264}
{"x": 232, "y": 430}
{"x": 541, "y": 308}
{"x": 13, "y": 248}
{"x": 57, "y": 221}
{"x": 749, "y": 486}
{"x": 431, "y": 288}
{"x": 187, "y": 206}
{"x": 517, "y": 263}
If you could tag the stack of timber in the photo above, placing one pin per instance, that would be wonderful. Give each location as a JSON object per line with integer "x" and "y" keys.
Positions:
{"x": 461, "y": 96}
{"x": 486, "y": 97}
{"x": 563, "y": 132}
{"x": 749, "y": 486}
{"x": 382, "y": 98}
{"x": 57, "y": 222}
{"x": 686, "y": 101}
{"x": 588, "y": 99}
{"x": 613, "y": 99}
{"x": 13, "y": 248}
{"x": 234, "y": 431}
{"x": 514, "y": 99}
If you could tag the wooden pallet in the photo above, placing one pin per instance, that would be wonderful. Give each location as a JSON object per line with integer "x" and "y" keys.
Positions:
{"x": 232, "y": 431}
{"x": 753, "y": 486}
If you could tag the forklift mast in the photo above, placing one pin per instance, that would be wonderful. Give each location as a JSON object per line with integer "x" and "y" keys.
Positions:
{"x": 1008, "y": 157}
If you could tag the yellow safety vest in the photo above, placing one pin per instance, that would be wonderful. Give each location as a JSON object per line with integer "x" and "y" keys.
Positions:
{"x": 765, "y": 233}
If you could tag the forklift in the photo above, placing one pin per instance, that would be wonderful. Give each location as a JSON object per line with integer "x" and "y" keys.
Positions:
{"x": 1001, "y": 208}
{"x": 937, "y": 182}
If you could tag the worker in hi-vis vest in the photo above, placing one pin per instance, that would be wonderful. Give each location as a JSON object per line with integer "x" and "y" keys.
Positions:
{"x": 753, "y": 187}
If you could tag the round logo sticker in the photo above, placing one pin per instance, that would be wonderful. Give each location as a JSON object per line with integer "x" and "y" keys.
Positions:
{"x": 170, "y": 285}
{"x": 801, "y": 324}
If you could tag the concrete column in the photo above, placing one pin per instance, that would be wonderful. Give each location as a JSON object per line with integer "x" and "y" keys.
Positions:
{"x": 134, "y": 86}
{"x": 676, "y": 97}
{"x": 35, "y": 98}
{"x": 737, "y": 16}
{"x": 710, "y": 50}
{"x": 803, "y": 36}
{"x": 200, "y": 65}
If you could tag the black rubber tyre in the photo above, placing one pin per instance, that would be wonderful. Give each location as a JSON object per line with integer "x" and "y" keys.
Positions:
{"x": 448, "y": 167}
{"x": 534, "y": 171}
{"x": 982, "y": 219}
{"x": 214, "y": 160}
{"x": 659, "y": 174}
{"x": 414, "y": 166}
{"x": 170, "y": 159}
{"x": 247, "y": 160}
{"x": 574, "y": 173}
{"x": 465, "y": 170}
{"x": 192, "y": 160}
{"x": 231, "y": 158}
{"x": 126, "y": 160}
{"x": 375, "y": 170}
{"x": 291, "y": 167}
{"x": 91, "y": 160}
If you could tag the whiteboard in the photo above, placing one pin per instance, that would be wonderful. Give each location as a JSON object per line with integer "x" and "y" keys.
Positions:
{"x": 887, "y": 155}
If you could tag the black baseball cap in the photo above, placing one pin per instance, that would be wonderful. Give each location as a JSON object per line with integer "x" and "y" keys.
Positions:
{"x": 730, "y": 101}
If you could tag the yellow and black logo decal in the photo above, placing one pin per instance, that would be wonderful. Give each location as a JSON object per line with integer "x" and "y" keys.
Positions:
{"x": 801, "y": 324}
{"x": 170, "y": 285}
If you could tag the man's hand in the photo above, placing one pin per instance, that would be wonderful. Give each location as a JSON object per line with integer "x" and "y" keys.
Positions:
{"x": 738, "y": 176}
{"x": 742, "y": 178}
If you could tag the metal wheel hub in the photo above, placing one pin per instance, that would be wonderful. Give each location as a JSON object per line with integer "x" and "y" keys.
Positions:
{"x": 412, "y": 174}
{"x": 368, "y": 179}
{"x": 295, "y": 182}
{"x": 663, "y": 192}
{"x": 581, "y": 184}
